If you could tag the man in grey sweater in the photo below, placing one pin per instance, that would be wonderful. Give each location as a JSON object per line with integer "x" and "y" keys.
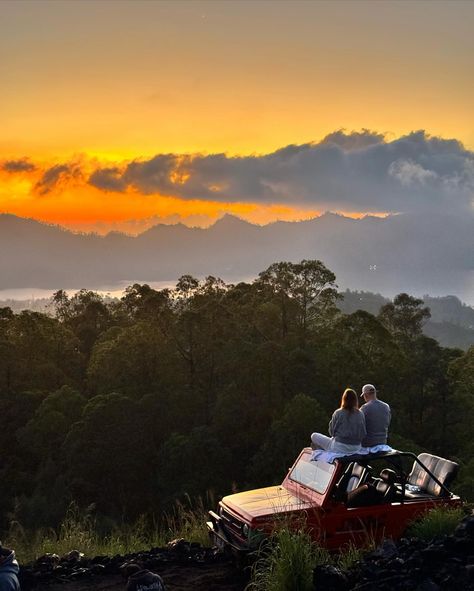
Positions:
{"x": 377, "y": 417}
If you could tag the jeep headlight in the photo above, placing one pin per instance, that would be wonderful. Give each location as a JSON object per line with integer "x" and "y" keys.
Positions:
{"x": 245, "y": 530}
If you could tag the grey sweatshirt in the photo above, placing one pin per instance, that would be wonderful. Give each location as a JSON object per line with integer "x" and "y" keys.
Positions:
{"x": 347, "y": 426}
{"x": 377, "y": 419}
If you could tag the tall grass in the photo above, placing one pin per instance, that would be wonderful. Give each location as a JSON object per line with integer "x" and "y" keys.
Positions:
{"x": 188, "y": 520}
{"x": 79, "y": 531}
{"x": 286, "y": 563}
{"x": 348, "y": 557}
{"x": 437, "y": 522}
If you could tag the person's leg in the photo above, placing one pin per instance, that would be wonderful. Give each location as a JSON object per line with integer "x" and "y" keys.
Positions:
{"x": 344, "y": 448}
{"x": 320, "y": 441}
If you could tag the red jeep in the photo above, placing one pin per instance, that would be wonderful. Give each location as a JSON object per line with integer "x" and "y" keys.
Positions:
{"x": 336, "y": 505}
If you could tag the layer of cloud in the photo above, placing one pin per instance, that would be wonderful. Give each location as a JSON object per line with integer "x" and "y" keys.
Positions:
{"x": 21, "y": 165}
{"x": 57, "y": 176}
{"x": 360, "y": 171}
{"x": 357, "y": 172}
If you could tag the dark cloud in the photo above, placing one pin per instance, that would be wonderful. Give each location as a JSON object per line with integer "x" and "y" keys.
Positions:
{"x": 108, "y": 179}
{"x": 359, "y": 171}
{"x": 354, "y": 140}
{"x": 22, "y": 165}
{"x": 55, "y": 175}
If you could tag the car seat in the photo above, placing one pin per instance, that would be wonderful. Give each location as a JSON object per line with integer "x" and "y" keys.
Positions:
{"x": 444, "y": 470}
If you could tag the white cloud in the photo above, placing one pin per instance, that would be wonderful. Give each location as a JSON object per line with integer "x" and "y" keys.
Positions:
{"x": 409, "y": 173}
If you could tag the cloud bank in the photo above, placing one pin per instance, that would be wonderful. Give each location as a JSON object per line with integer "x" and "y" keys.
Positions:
{"x": 21, "y": 165}
{"x": 357, "y": 172}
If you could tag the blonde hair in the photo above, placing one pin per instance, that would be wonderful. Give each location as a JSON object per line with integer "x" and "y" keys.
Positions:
{"x": 349, "y": 400}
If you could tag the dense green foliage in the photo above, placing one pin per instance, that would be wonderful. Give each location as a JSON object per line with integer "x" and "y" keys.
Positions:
{"x": 127, "y": 405}
{"x": 451, "y": 322}
{"x": 441, "y": 521}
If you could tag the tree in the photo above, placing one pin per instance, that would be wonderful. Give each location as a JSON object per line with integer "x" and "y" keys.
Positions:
{"x": 305, "y": 293}
{"x": 133, "y": 360}
{"x": 287, "y": 435}
{"x": 405, "y": 316}
{"x": 47, "y": 429}
{"x": 460, "y": 377}
{"x": 45, "y": 354}
{"x": 141, "y": 302}
{"x": 85, "y": 313}
{"x": 109, "y": 456}
{"x": 362, "y": 350}
{"x": 192, "y": 464}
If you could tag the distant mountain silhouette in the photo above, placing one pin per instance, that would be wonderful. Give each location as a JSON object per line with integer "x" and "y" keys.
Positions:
{"x": 415, "y": 253}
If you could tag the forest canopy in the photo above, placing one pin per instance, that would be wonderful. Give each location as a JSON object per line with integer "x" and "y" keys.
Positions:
{"x": 130, "y": 404}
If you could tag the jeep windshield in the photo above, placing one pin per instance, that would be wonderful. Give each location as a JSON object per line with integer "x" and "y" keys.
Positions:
{"x": 315, "y": 475}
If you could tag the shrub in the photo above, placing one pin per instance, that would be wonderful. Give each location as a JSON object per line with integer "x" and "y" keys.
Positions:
{"x": 286, "y": 562}
{"x": 188, "y": 520}
{"x": 350, "y": 555}
{"x": 437, "y": 522}
{"x": 80, "y": 530}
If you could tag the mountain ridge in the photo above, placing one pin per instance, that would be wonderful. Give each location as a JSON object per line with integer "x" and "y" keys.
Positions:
{"x": 407, "y": 252}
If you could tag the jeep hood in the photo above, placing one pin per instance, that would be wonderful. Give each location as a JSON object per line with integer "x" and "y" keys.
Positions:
{"x": 262, "y": 502}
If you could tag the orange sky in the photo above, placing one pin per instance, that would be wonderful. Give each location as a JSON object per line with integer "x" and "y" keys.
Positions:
{"x": 118, "y": 81}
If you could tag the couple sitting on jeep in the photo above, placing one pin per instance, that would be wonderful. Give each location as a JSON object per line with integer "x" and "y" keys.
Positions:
{"x": 355, "y": 431}
{"x": 351, "y": 428}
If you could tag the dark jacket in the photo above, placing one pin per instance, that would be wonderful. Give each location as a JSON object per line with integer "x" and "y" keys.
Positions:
{"x": 145, "y": 580}
{"x": 8, "y": 571}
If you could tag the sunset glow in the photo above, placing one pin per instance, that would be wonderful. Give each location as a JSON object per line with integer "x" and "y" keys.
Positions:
{"x": 100, "y": 85}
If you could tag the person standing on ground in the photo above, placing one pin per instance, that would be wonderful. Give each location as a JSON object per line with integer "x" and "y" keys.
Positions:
{"x": 377, "y": 417}
{"x": 8, "y": 570}
{"x": 347, "y": 427}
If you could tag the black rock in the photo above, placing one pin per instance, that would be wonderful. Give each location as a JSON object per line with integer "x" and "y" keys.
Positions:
{"x": 48, "y": 560}
{"x": 73, "y": 556}
{"x": 428, "y": 585}
{"x": 179, "y": 545}
{"x": 465, "y": 528}
{"x": 470, "y": 571}
{"x": 79, "y": 573}
{"x": 433, "y": 553}
{"x": 388, "y": 549}
{"x": 327, "y": 577}
{"x": 100, "y": 560}
{"x": 98, "y": 569}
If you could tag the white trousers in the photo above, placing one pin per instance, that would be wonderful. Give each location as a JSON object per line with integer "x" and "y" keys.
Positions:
{"x": 330, "y": 444}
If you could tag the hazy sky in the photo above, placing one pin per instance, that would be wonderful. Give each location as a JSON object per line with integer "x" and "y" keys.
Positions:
{"x": 104, "y": 105}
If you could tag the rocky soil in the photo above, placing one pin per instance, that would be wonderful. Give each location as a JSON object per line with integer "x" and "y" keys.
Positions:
{"x": 182, "y": 565}
{"x": 442, "y": 564}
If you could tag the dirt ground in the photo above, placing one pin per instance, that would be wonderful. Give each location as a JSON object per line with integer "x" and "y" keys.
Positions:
{"x": 196, "y": 577}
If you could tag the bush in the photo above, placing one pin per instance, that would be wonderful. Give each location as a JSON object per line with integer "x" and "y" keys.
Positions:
{"x": 80, "y": 530}
{"x": 286, "y": 563}
{"x": 350, "y": 556}
{"x": 437, "y": 522}
{"x": 188, "y": 520}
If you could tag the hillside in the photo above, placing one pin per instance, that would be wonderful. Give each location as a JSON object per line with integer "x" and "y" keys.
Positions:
{"x": 414, "y": 253}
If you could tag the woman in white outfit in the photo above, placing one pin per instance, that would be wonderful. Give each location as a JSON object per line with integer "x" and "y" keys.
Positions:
{"x": 346, "y": 427}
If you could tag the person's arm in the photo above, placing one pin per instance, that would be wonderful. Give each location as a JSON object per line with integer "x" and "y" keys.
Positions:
{"x": 333, "y": 423}
{"x": 363, "y": 426}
